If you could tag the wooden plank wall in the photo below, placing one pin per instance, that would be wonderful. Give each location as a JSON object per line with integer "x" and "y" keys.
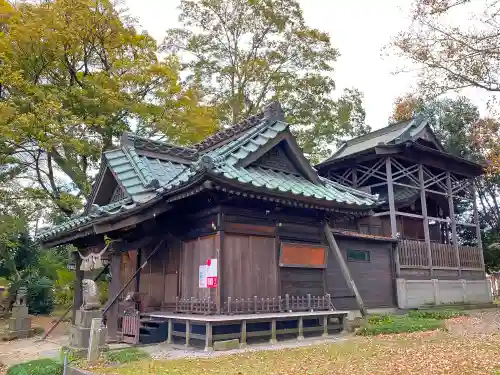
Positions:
{"x": 301, "y": 281}
{"x": 249, "y": 266}
{"x": 128, "y": 266}
{"x": 152, "y": 278}
{"x": 195, "y": 252}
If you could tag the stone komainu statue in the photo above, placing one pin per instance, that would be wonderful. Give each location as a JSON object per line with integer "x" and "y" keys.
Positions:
{"x": 21, "y": 296}
{"x": 90, "y": 295}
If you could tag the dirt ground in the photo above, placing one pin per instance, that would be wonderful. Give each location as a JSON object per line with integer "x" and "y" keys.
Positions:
{"x": 16, "y": 351}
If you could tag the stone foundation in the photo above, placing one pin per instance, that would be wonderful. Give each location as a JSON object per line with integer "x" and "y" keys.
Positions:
{"x": 80, "y": 331}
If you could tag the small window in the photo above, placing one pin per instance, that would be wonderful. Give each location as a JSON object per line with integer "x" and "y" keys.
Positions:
{"x": 376, "y": 230}
{"x": 358, "y": 255}
{"x": 364, "y": 229}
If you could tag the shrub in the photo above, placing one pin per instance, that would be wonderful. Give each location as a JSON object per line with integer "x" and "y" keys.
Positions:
{"x": 436, "y": 314}
{"x": 37, "y": 367}
{"x": 65, "y": 284}
{"x": 125, "y": 355}
{"x": 376, "y": 319}
{"x": 399, "y": 324}
{"x": 40, "y": 295}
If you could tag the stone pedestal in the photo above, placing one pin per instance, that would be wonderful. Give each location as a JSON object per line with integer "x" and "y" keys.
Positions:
{"x": 19, "y": 323}
{"x": 80, "y": 331}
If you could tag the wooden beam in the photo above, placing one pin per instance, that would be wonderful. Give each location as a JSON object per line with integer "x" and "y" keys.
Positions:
{"x": 78, "y": 298}
{"x": 138, "y": 273}
{"x": 114, "y": 288}
{"x": 343, "y": 267}
{"x": 478, "y": 227}
{"x": 219, "y": 243}
{"x": 390, "y": 194}
{"x": 453, "y": 221}
{"x": 425, "y": 220}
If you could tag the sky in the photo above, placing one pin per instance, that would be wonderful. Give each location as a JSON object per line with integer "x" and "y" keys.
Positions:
{"x": 359, "y": 29}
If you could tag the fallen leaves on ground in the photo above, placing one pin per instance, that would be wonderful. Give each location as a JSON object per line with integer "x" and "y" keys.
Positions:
{"x": 415, "y": 353}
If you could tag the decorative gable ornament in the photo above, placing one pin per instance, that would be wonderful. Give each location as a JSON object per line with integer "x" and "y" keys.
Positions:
{"x": 93, "y": 261}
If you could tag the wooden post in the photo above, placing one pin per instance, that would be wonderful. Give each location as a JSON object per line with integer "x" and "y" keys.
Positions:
{"x": 138, "y": 275}
{"x": 169, "y": 333}
{"x": 243, "y": 339}
{"x": 218, "y": 249}
{"x": 78, "y": 298}
{"x": 114, "y": 289}
{"x": 300, "y": 335}
{"x": 273, "y": 332}
{"x": 392, "y": 211}
{"x": 325, "y": 326}
{"x": 208, "y": 337}
{"x": 343, "y": 267}
{"x": 95, "y": 330}
{"x": 478, "y": 226}
{"x": 354, "y": 172}
{"x": 453, "y": 221}
{"x": 425, "y": 220}
{"x": 188, "y": 333}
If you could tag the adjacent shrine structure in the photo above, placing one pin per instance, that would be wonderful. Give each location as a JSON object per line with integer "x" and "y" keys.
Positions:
{"x": 240, "y": 237}
{"x": 428, "y": 205}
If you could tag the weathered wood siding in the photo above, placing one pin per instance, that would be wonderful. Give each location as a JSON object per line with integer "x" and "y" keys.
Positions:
{"x": 374, "y": 279}
{"x": 195, "y": 252}
{"x": 249, "y": 266}
{"x": 302, "y": 281}
{"x": 128, "y": 266}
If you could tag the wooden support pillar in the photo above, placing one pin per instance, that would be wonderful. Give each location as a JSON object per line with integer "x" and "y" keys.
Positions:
{"x": 208, "y": 337}
{"x": 188, "y": 333}
{"x": 114, "y": 289}
{"x": 453, "y": 221}
{"x": 425, "y": 220}
{"x": 390, "y": 195}
{"x": 478, "y": 226}
{"x": 138, "y": 275}
{"x": 219, "y": 243}
{"x": 300, "y": 335}
{"x": 392, "y": 212}
{"x": 325, "y": 326}
{"x": 273, "y": 332}
{"x": 78, "y": 298}
{"x": 243, "y": 339}
{"x": 170, "y": 329}
{"x": 332, "y": 244}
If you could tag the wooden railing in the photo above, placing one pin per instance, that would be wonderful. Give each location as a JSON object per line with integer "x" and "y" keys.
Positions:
{"x": 414, "y": 254}
{"x": 255, "y": 305}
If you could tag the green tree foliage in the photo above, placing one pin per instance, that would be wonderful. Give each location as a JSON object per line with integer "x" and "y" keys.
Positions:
{"x": 74, "y": 74}
{"x": 455, "y": 42}
{"x": 244, "y": 53}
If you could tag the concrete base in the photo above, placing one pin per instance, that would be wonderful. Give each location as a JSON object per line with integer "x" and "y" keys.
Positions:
{"x": 84, "y": 318}
{"x": 79, "y": 338}
{"x": 19, "y": 311}
{"x": 19, "y": 324}
{"x": 15, "y": 335}
{"x": 226, "y": 345}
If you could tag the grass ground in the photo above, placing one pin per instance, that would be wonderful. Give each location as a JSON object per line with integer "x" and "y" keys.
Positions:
{"x": 468, "y": 346}
{"x": 435, "y": 352}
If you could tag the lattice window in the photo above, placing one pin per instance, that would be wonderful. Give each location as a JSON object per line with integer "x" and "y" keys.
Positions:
{"x": 276, "y": 159}
{"x": 118, "y": 194}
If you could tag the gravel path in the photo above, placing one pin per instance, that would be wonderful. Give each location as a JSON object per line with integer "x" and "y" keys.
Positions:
{"x": 163, "y": 351}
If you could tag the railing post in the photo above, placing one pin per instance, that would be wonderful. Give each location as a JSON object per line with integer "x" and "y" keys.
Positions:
{"x": 287, "y": 302}
{"x": 229, "y": 305}
{"x": 255, "y": 304}
{"x": 309, "y": 302}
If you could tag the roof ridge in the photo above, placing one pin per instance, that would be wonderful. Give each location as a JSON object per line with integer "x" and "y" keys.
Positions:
{"x": 143, "y": 171}
{"x": 153, "y": 145}
{"x": 270, "y": 112}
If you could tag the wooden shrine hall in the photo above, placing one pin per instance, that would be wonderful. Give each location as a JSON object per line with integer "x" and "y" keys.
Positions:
{"x": 239, "y": 237}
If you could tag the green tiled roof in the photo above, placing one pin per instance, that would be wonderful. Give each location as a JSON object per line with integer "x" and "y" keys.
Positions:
{"x": 145, "y": 174}
{"x": 391, "y": 134}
